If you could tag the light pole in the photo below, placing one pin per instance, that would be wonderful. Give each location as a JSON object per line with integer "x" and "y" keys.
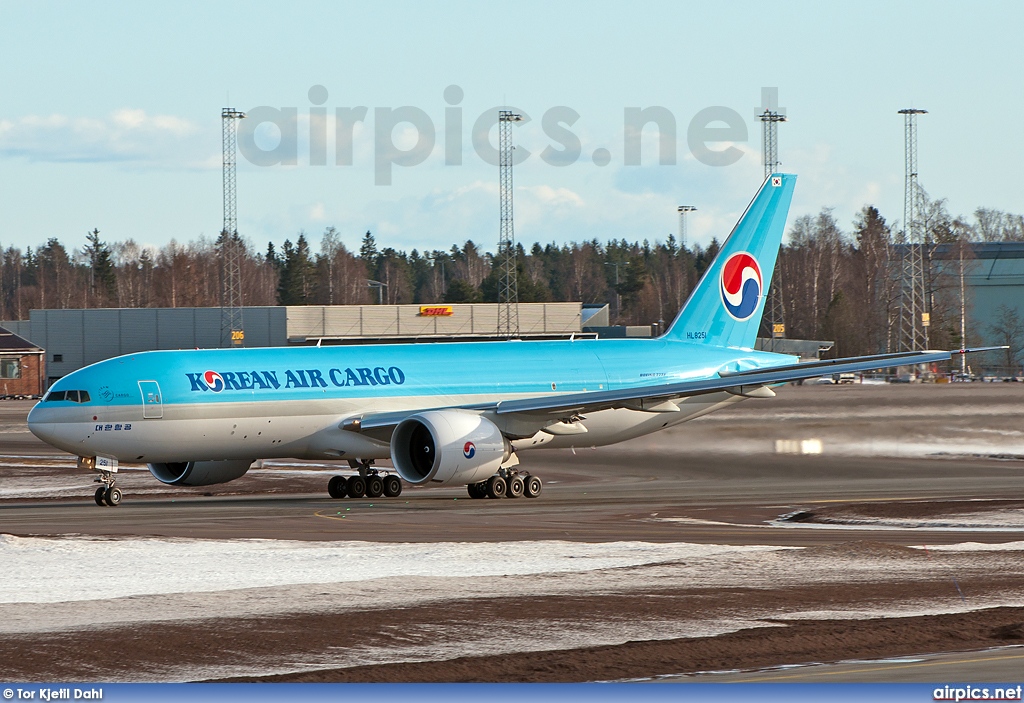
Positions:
{"x": 380, "y": 289}
{"x": 682, "y": 210}
{"x": 618, "y": 298}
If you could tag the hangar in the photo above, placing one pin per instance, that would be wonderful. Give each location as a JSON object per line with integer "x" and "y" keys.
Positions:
{"x": 76, "y": 338}
{"x": 993, "y": 277}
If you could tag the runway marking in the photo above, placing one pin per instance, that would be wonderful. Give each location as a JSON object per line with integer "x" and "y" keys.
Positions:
{"x": 876, "y": 500}
{"x": 867, "y": 669}
{"x": 336, "y": 515}
{"x": 833, "y": 526}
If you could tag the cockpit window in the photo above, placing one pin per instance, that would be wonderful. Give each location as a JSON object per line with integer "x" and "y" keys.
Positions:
{"x": 72, "y": 396}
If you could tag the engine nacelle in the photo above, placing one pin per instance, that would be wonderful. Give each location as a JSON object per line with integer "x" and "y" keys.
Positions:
{"x": 200, "y": 473}
{"x": 447, "y": 447}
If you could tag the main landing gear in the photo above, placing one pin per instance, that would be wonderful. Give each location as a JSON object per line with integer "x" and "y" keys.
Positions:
{"x": 369, "y": 482}
{"x": 507, "y": 483}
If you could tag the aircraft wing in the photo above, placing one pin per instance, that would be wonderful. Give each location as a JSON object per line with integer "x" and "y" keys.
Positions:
{"x": 740, "y": 383}
{"x": 743, "y": 383}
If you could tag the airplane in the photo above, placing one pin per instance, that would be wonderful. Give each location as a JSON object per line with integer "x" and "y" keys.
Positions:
{"x": 443, "y": 413}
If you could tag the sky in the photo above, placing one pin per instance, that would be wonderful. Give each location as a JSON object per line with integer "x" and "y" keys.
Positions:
{"x": 110, "y": 115}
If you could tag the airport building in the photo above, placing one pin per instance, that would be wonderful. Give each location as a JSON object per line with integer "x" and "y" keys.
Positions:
{"x": 22, "y": 366}
{"x": 76, "y": 338}
{"x": 993, "y": 277}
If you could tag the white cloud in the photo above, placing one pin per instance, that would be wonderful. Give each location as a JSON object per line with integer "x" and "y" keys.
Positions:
{"x": 126, "y": 134}
{"x": 554, "y": 197}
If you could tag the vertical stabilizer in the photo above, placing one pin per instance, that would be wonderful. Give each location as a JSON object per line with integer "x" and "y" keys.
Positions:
{"x": 725, "y": 308}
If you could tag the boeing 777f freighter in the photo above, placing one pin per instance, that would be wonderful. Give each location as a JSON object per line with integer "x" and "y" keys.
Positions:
{"x": 444, "y": 414}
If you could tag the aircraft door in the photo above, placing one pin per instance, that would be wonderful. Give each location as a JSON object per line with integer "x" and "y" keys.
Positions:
{"x": 152, "y": 403}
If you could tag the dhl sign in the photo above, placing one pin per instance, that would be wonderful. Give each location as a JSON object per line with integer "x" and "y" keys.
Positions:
{"x": 435, "y": 311}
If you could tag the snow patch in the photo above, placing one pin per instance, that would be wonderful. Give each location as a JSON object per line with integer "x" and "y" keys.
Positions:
{"x": 83, "y": 569}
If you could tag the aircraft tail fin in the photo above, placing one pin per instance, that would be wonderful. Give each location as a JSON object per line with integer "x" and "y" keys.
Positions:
{"x": 726, "y": 306}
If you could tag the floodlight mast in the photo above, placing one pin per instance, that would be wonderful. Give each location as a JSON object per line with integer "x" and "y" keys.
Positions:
{"x": 682, "y": 210}
{"x": 775, "y": 308}
{"x": 230, "y": 244}
{"x": 914, "y": 317}
{"x": 508, "y": 287}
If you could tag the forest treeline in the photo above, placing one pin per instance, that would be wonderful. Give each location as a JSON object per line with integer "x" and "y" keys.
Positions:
{"x": 838, "y": 284}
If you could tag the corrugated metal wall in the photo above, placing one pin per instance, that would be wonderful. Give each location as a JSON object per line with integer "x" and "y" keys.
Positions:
{"x": 22, "y": 328}
{"x": 466, "y": 320}
{"x": 76, "y": 338}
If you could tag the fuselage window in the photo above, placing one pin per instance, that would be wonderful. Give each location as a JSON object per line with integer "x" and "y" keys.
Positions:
{"x": 83, "y": 396}
{"x": 55, "y": 395}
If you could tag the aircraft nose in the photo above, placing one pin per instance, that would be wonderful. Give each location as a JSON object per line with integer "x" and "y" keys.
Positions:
{"x": 42, "y": 430}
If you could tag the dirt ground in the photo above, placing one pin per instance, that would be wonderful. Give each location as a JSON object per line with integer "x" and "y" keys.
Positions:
{"x": 899, "y": 467}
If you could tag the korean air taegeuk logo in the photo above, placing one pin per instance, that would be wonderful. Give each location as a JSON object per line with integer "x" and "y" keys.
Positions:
{"x": 741, "y": 285}
{"x": 214, "y": 381}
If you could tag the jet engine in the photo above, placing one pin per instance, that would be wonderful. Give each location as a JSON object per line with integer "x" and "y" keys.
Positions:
{"x": 200, "y": 473}
{"x": 447, "y": 447}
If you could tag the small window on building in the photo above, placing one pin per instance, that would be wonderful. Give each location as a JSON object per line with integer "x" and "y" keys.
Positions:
{"x": 10, "y": 368}
{"x": 58, "y": 358}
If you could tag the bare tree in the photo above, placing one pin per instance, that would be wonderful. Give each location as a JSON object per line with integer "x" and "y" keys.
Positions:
{"x": 1008, "y": 330}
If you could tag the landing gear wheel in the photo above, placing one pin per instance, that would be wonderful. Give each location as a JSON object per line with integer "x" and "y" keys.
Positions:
{"x": 515, "y": 487}
{"x": 392, "y": 486}
{"x": 337, "y": 487}
{"x": 496, "y": 487}
{"x": 533, "y": 486}
{"x": 477, "y": 490}
{"x": 112, "y": 496}
{"x": 356, "y": 486}
{"x": 100, "y": 492}
{"x": 374, "y": 487}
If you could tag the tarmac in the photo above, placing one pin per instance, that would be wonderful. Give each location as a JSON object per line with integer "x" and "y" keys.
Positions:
{"x": 874, "y": 503}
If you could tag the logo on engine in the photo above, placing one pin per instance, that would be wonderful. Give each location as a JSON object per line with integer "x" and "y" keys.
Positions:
{"x": 469, "y": 450}
{"x": 214, "y": 381}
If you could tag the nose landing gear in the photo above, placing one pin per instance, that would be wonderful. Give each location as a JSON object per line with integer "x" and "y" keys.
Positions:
{"x": 108, "y": 495}
{"x": 106, "y": 467}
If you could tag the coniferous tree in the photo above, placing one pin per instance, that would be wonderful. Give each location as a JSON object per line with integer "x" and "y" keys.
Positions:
{"x": 103, "y": 282}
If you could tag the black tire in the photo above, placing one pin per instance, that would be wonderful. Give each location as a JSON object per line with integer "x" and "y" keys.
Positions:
{"x": 477, "y": 490}
{"x": 533, "y": 486}
{"x": 100, "y": 492}
{"x": 392, "y": 486}
{"x": 515, "y": 487}
{"x": 356, "y": 486}
{"x": 113, "y": 496}
{"x": 496, "y": 487}
{"x": 374, "y": 487}
{"x": 337, "y": 487}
